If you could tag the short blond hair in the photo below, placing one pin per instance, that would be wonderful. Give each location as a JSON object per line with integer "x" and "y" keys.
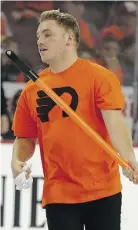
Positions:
{"x": 68, "y": 21}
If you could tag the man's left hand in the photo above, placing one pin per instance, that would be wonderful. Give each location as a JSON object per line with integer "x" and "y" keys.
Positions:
{"x": 132, "y": 173}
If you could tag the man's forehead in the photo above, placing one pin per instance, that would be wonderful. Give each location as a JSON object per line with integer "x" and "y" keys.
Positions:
{"x": 42, "y": 30}
{"x": 47, "y": 25}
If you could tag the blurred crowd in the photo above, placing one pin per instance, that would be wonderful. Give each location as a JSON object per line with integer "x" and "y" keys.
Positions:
{"x": 108, "y": 33}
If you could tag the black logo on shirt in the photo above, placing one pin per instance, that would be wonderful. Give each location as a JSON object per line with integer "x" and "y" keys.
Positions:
{"x": 46, "y": 104}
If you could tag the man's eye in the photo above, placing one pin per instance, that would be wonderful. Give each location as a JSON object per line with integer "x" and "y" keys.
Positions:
{"x": 47, "y": 35}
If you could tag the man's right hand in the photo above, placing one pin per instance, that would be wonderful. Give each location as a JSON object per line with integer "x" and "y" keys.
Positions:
{"x": 17, "y": 168}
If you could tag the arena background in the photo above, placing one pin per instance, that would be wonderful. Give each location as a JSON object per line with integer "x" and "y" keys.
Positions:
{"x": 109, "y": 36}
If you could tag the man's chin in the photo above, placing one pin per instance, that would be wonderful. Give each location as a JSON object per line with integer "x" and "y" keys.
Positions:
{"x": 45, "y": 60}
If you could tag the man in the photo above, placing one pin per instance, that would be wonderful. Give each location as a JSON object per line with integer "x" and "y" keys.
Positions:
{"x": 108, "y": 51}
{"x": 81, "y": 181}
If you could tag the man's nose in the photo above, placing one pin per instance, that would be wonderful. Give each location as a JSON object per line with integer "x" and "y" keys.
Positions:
{"x": 39, "y": 42}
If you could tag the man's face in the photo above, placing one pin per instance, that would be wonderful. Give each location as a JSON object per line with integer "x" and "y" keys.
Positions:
{"x": 110, "y": 49}
{"x": 52, "y": 40}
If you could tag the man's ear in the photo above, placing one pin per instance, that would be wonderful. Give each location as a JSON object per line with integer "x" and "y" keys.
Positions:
{"x": 69, "y": 38}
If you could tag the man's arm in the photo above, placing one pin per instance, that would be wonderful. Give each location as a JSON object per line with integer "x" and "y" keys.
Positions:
{"x": 121, "y": 139}
{"x": 23, "y": 150}
{"x": 119, "y": 133}
{"x": 110, "y": 100}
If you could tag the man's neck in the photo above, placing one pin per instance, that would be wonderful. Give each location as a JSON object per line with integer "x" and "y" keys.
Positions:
{"x": 63, "y": 63}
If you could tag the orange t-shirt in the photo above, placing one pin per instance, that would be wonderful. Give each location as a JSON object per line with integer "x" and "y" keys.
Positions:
{"x": 75, "y": 168}
{"x": 118, "y": 71}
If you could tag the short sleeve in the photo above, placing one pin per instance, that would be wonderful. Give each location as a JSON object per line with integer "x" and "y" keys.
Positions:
{"x": 23, "y": 123}
{"x": 108, "y": 91}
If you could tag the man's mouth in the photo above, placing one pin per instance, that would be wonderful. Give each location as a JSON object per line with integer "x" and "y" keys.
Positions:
{"x": 42, "y": 50}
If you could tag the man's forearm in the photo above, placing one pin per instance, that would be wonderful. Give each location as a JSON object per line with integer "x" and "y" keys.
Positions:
{"x": 23, "y": 148}
{"x": 121, "y": 139}
{"x": 119, "y": 134}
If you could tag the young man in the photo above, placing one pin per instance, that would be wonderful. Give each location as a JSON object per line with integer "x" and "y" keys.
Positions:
{"x": 108, "y": 51}
{"x": 81, "y": 181}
